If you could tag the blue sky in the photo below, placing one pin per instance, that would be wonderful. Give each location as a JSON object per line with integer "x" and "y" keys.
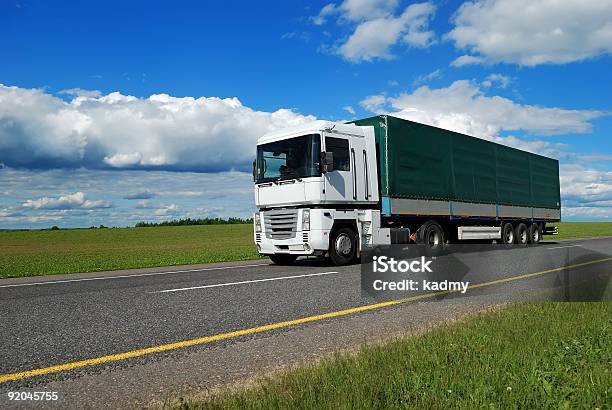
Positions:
{"x": 102, "y": 101}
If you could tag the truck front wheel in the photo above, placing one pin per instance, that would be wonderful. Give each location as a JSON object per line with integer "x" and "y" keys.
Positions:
{"x": 342, "y": 246}
{"x": 283, "y": 259}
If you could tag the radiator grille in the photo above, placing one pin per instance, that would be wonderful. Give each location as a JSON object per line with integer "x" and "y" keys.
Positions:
{"x": 281, "y": 223}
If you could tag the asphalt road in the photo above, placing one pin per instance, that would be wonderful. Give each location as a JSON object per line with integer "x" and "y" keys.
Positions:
{"x": 142, "y": 337}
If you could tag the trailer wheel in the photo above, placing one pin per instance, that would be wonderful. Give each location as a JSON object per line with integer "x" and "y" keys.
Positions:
{"x": 534, "y": 234}
{"x": 507, "y": 234}
{"x": 342, "y": 246}
{"x": 431, "y": 235}
{"x": 283, "y": 259}
{"x": 521, "y": 233}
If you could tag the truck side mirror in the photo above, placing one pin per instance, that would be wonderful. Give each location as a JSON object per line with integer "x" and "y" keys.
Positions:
{"x": 254, "y": 170}
{"x": 327, "y": 161}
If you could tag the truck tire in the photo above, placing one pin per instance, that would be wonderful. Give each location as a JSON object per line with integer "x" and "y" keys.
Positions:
{"x": 283, "y": 259}
{"x": 521, "y": 234}
{"x": 342, "y": 246}
{"x": 507, "y": 234}
{"x": 431, "y": 235}
{"x": 534, "y": 234}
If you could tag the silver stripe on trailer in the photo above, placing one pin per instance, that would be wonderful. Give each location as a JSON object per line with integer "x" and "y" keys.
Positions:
{"x": 509, "y": 211}
{"x": 546, "y": 213}
{"x": 405, "y": 206}
{"x": 419, "y": 207}
{"x": 473, "y": 209}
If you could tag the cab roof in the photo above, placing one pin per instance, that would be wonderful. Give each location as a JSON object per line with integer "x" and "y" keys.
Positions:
{"x": 312, "y": 127}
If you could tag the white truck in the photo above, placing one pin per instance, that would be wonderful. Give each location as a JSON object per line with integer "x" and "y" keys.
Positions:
{"x": 329, "y": 189}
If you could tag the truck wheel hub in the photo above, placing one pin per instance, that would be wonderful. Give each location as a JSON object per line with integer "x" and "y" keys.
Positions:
{"x": 433, "y": 239}
{"x": 343, "y": 244}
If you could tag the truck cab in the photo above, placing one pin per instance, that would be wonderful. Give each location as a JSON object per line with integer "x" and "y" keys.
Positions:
{"x": 316, "y": 187}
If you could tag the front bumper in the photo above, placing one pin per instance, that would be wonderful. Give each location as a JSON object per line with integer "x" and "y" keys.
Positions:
{"x": 313, "y": 242}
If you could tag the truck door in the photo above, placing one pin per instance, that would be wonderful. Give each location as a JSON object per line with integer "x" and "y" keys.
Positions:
{"x": 358, "y": 169}
{"x": 339, "y": 183}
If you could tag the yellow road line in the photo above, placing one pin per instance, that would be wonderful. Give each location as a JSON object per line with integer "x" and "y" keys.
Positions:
{"x": 259, "y": 329}
{"x": 529, "y": 275}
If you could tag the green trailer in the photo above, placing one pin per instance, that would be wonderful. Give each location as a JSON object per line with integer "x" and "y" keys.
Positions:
{"x": 425, "y": 171}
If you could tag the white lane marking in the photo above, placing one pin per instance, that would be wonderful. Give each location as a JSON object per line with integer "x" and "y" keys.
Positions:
{"x": 130, "y": 276}
{"x": 246, "y": 281}
{"x": 561, "y": 247}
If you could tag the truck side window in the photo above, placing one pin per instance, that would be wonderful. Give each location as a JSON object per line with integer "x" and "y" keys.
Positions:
{"x": 340, "y": 148}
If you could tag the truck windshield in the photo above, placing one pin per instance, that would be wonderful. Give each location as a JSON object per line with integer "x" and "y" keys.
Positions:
{"x": 292, "y": 158}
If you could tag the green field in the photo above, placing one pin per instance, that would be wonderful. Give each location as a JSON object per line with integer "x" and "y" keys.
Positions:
{"x": 544, "y": 355}
{"x": 29, "y": 253}
{"x": 570, "y": 230}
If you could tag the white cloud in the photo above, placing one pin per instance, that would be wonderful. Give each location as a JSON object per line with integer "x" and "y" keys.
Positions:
{"x": 166, "y": 210}
{"x": 79, "y": 92}
{"x": 349, "y": 109}
{"x": 45, "y": 218}
{"x": 143, "y": 204}
{"x": 579, "y": 183}
{"x": 326, "y": 11}
{"x": 69, "y": 201}
{"x": 186, "y": 194}
{"x": 374, "y": 103}
{"x": 586, "y": 213}
{"x": 373, "y": 39}
{"x": 146, "y": 194}
{"x": 586, "y": 193}
{"x": 125, "y": 160}
{"x": 529, "y": 33}
{"x": 231, "y": 193}
{"x": 595, "y": 157}
{"x": 425, "y": 78}
{"x": 503, "y": 81}
{"x": 357, "y": 10}
{"x": 466, "y": 60}
{"x": 39, "y": 130}
{"x": 463, "y": 107}
{"x": 378, "y": 27}
{"x": 9, "y": 213}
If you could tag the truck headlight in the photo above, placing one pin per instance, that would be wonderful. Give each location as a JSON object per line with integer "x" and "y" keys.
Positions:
{"x": 306, "y": 220}
{"x": 257, "y": 221}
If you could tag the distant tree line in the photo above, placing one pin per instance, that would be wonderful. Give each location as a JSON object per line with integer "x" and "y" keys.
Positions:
{"x": 198, "y": 221}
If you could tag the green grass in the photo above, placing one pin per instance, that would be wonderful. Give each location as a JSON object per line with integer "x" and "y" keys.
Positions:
{"x": 570, "y": 230}
{"x": 544, "y": 355}
{"x": 29, "y": 253}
